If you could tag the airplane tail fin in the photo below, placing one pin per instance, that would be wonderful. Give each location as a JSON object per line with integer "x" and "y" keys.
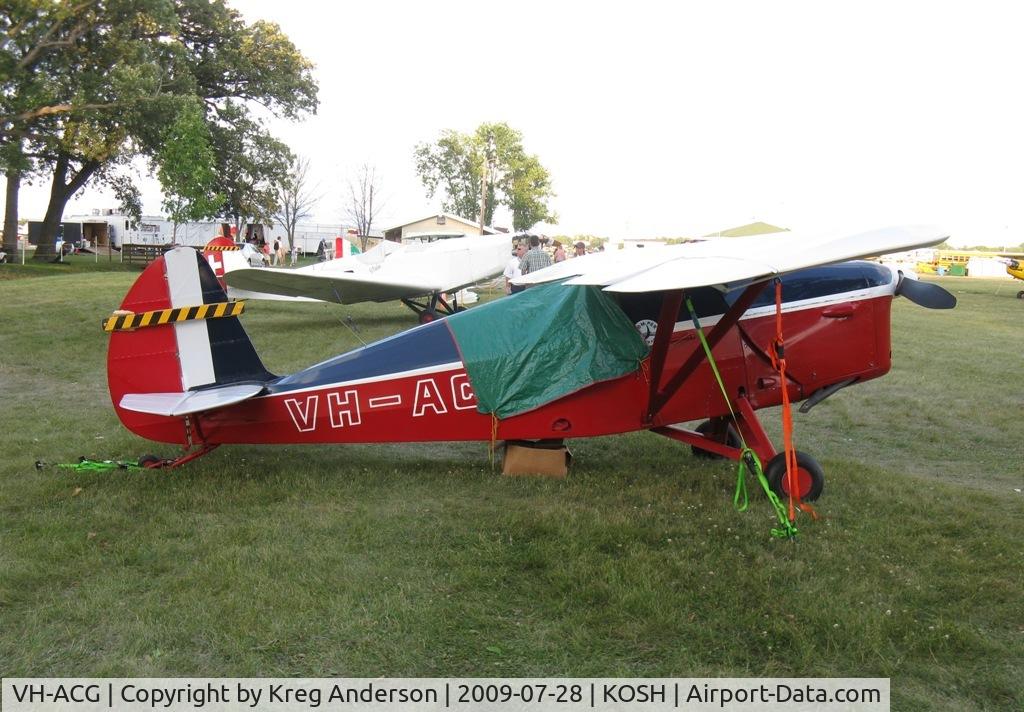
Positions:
{"x": 178, "y": 348}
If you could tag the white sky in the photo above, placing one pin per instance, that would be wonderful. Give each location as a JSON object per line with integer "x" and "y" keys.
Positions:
{"x": 676, "y": 118}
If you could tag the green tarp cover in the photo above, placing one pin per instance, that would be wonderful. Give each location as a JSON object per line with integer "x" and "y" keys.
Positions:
{"x": 543, "y": 343}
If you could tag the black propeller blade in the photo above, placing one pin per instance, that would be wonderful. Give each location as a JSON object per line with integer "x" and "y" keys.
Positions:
{"x": 929, "y": 296}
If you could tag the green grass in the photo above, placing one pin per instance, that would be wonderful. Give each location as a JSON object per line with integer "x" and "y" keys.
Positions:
{"x": 72, "y": 264}
{"x": 418, "y": 560}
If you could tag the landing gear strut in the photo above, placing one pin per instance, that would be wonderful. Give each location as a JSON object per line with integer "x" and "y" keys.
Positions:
{"x": 711, "y": 440}
{"x": 721, "y": 431}
{"x": 434, "y": 307}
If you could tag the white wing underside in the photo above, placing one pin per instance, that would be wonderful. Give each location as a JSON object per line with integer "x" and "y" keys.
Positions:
{"x": 719, "y": 262}
{"x": 381, "y": 275}
{"x": 344, "y": 288}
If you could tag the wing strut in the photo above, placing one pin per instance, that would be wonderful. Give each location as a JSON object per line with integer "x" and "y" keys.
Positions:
{"x": 670, "y": 304}
{"x": 666, "y": 322}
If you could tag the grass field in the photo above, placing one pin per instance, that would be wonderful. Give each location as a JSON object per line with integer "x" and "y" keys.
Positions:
{"x": 418, "y": 560}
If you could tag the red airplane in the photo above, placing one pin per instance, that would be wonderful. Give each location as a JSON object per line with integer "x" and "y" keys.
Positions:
{"x": 600, "y": 344}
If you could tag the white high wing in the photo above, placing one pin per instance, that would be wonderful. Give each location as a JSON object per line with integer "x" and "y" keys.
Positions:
{"x": 388, "y": 271}
{"x": 722, "y": 261}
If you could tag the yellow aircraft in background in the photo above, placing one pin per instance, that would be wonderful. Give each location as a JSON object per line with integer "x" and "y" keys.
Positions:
{"x": 954, "y": 262}
{"x": 1015, "y": 268}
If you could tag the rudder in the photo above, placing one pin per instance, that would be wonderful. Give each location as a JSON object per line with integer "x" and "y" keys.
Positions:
{"x": 182, "y": 339}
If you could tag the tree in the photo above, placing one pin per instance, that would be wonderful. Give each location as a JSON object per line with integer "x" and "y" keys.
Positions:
{"x": 118, "y": 73}
{"x": 296, "y": 198}
{"x": 478, "y": 172}
{"x": 186, "y": 169}
{"x": 250, "y": 165}
{"x": 86, "y": 85}
{"x": 364, "y": 202}
{"x": 593, "y": 242}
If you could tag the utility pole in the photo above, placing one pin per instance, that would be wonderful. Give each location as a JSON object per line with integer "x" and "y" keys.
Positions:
{"x": 488, "y": 165}
{"x": 483, "y": 196}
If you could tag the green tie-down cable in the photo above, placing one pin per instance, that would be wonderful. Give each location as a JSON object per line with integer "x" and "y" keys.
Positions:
{"x": 86, "y": 465}
{"x": 748, "y": 458}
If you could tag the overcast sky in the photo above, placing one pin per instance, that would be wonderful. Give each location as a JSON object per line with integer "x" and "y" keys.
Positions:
{"x": 677, "y": 118}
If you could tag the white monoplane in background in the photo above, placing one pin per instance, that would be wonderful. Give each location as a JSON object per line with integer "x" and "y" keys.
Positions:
{"x": 425, "y": 276}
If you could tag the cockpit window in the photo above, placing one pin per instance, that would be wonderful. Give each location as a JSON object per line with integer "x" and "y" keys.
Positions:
{"x": 822, "y": 281}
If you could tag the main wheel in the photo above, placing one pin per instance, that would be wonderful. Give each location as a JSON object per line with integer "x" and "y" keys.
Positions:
{"x": 427, "y": 316}
{"x": 809, "y": 476}
{"x": 707, "y": 428}
{"x": 1020, "y": 294}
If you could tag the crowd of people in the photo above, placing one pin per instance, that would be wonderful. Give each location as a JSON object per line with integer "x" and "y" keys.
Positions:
{"x": 277, "y": 254}
{"x": 533, "y": 253}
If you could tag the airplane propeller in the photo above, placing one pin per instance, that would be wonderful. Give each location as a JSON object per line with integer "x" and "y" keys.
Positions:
{"x": 929, "y": 296}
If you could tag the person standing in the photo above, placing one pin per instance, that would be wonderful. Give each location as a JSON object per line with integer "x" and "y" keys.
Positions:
{"x": 536, "y": 258}
{"x": 579, "y": 249}
{"x": 279, "y": 254}
{"x": 512, "y": 269}
{"x": 559, "y": 252}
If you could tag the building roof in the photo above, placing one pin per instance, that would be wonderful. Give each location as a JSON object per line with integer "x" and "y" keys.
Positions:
{"x": 754, "y": 228}
{"x": 488, "y": 230}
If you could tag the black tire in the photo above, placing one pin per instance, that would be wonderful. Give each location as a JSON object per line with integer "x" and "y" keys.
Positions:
{"x": 1020, "y": 294}
{"x": 427, "y": 316}
{"x": 732, "y": 439}
{"x": 810, "y": 475}
{"x": 149, "y": 460}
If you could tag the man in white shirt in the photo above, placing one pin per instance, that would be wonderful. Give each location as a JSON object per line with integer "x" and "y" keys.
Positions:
{"x": 513, "y": 269}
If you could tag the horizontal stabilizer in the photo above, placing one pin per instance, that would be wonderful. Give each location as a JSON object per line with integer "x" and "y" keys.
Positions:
{"x": 172, "y": 404}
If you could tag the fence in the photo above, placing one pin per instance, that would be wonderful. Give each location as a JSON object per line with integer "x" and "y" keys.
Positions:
{"x": 142, "y": 254}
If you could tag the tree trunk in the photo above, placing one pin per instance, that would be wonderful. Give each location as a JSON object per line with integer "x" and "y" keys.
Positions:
{"x": 46, "y": 247}
{"x": 11, "y": 213}
{"x": 60, "y": 192}
{"x": 365, "y": 237}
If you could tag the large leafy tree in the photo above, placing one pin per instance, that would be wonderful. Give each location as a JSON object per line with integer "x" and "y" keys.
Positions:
{"x": 478, "y": 172}
{"x": 90, "y": 82}
{"x": 121, "y": 73}
{"x": 38, "y": 49}
{"x": 186, "y": 169}
{"x": 251, "y": 166}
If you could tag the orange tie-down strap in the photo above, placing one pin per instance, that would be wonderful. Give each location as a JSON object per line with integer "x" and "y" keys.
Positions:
{"x": 221, "y": 248}
{"x": 778, "y": 352}
{"x": 126, "y": 321}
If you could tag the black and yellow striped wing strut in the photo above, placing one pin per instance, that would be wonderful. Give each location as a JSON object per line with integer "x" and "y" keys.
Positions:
{"x": 126, "y": 321}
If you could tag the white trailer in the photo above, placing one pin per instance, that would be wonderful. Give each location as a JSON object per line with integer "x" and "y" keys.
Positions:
{"x": 111, "y": 228}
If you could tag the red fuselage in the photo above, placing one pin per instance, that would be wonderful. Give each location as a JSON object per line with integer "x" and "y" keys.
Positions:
{"x": 832, "y": 335}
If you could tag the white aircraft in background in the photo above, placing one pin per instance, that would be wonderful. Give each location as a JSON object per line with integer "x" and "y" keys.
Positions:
{"x": 420, "y": 274}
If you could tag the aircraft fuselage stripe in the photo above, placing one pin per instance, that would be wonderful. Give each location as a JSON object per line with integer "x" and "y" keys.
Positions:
{"x": 428, "y": 370}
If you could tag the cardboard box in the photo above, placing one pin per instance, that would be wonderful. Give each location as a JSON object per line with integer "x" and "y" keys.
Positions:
{"x": 540, "y": 459}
